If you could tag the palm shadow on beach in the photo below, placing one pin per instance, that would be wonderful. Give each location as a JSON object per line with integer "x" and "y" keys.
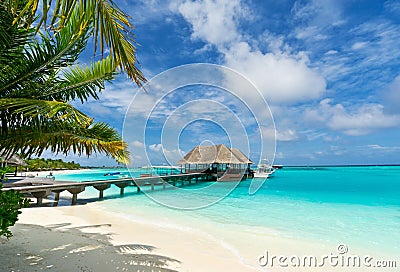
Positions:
{"x": 63, "y": 248}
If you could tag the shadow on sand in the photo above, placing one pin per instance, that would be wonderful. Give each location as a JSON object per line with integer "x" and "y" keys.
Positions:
{"x": 62, "y": 248}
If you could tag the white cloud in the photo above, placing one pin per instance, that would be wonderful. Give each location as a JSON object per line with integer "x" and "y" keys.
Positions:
{"x": 114, "y": 100}
{"x": 213, "y": 21}
{"x": 331, "y": 52}
{"x": 383, "y": 37}
{"x": 310, "y": 32}
{"x": 162, "y": 154}
{"x": 358, "y": 120}
{"x": 137, "y": 143}
{"x": 156, "y": 147}
{"x": 358, "y": 45}
{"x": 315, "y": 17}
{"x": 145, "y": 11}
{"x": 385, "y": 149}
{"x": 281, "y": 77}
{"x": 393, "y": 6}
{"x": 287, "y": 135}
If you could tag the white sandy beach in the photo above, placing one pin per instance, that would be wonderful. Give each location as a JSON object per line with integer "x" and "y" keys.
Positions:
{"x": 87, "y": 238}
{"x": 190, "y": 252}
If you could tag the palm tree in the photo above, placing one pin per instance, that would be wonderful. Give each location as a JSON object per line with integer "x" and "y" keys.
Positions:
{"x": 39, "y": 74}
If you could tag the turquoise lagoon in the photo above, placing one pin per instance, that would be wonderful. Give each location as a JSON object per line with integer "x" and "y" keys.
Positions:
{"x": 357, "y": 206}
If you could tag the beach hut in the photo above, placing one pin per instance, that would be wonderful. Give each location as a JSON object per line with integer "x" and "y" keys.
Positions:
{"x": 218, "y": 160}
{"x": 12, "y": 160}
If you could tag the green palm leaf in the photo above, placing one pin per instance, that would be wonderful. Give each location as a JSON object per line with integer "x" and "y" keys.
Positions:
{"x": 82, "y": 82}
{"x": 39, "y": 75}
{"x": 111, "y": 27}
{"x": 99, "y": 138}
{"x": 54, "y": 110}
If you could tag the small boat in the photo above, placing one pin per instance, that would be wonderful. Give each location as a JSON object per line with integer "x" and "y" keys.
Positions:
{"x": 264, "y": 170}
{"x": 112, "y": 174}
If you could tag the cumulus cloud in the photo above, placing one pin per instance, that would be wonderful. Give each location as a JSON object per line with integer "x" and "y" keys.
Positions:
{"x": 282, "y": 77}
{"x": 355, "y": 121}
{"x": 213, "y": 21}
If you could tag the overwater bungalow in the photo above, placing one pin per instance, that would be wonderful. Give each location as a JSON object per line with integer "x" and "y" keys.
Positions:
{"x": 218, "y": 160}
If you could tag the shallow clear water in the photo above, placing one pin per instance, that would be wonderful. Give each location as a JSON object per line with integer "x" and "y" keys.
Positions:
{"x": 359, "y": 206}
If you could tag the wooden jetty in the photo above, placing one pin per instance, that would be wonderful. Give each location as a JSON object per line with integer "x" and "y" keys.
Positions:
{"x": 41, "y": 190}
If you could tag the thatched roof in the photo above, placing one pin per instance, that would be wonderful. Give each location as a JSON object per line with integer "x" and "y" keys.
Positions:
{"x": 11, "y": 160}
{"x": 240, "y": 155}
{"x": 214, "y": 154}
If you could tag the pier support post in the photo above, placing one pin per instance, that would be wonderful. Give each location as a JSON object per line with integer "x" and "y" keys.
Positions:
{"x": 39, "y": 195}
{"x": 57, "y": 196}
{"x": 121, "y": 186}
{"x": 136, "y": 183}
{"x": 101, "y": 188}
{"x": 75, "y": 191}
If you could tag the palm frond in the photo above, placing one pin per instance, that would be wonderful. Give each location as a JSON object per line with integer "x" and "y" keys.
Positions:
{"x": 54, "y": 110}
{"x": 82, "y": 82}
{"x": 40, "y": 61}
{"x": 111, "y": 28}
{"x": 12, "y": 38}
{"x": 99, "y": 138}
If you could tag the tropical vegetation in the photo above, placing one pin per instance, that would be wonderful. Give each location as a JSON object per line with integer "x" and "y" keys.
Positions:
{"x": 41, "y": 164}
{"x": 40, "y": 74}
{"x": 11, "y": 204}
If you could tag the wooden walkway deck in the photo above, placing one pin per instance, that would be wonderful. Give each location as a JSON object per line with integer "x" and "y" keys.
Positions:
{"x": 42, "y": 190}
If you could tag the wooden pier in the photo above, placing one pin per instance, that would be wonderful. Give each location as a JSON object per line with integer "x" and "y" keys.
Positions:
{"x": 42, "y": 190}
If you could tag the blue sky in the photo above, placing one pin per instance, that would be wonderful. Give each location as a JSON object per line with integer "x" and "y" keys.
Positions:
{"x": 329, "y": 70}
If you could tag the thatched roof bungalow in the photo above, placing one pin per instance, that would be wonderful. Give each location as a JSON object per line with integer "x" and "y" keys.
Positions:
{"x": 12, "y": 160}
{"x": 7, "y": 159}
{"x": 216, "y": 159}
